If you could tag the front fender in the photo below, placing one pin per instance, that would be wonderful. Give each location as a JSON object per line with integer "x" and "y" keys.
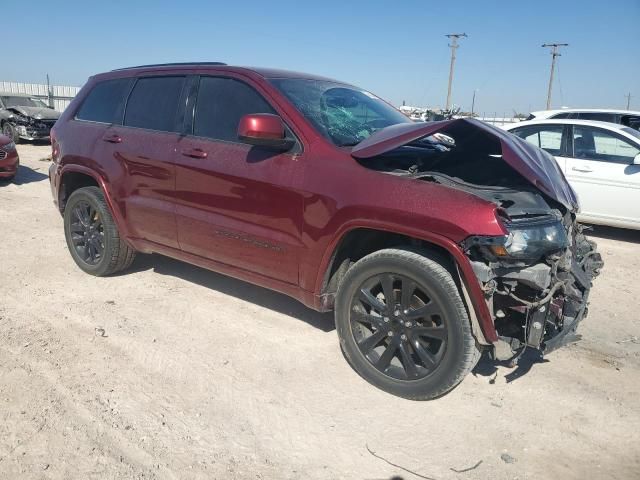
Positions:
{"x": 462, "y": 262}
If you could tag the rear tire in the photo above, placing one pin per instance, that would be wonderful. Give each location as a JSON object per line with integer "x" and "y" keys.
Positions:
{"x": 92, "y": 236}
{"x": 419, "y": 344}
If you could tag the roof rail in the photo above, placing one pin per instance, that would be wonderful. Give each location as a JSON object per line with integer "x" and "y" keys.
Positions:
{"x": 169, "y": 65}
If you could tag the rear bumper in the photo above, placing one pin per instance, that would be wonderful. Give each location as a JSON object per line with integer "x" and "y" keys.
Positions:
{"x": 9, "y": 165}
{"x": 54, "y": 182}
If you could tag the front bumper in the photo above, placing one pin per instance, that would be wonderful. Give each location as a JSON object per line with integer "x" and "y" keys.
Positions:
{"x": 29, "y": 132}
{"x": 541, "y": 305}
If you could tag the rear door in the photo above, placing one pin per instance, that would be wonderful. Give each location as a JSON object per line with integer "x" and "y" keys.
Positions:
{"x": 601, "y": 171}
{"x": 236, "y": 204}
{"x": 144, "y": 147}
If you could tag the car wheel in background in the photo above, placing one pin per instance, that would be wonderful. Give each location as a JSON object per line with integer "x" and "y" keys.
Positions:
{"x": 10, "y": 131}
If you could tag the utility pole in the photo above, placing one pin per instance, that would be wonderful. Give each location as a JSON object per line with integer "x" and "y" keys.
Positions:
{"x": 554, "y": 53}
{"x": 49, "y": 93}
{"x": 454, "y": 45}
{"x": 628, "y": 96}
{"x": 473, "y": 102}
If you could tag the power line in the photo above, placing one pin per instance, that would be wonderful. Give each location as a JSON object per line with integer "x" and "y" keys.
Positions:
{"x": 454, "y": 45}
{"x": 554, "y": 53}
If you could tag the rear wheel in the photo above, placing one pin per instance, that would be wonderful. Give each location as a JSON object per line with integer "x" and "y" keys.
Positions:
{"x": 403, "y": 326}
{"x": 92, "y": 236}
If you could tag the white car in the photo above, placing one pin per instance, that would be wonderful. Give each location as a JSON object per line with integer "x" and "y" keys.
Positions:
{"x": 601, "y": 162}
{"x": 628, "y": 118}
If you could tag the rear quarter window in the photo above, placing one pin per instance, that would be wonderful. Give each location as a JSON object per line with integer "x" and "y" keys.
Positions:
{"x": 105, "y": 101}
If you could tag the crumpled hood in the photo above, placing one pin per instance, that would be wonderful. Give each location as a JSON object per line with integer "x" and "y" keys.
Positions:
{"x": 533, "y": 163}
{"x": 39, "y": 113}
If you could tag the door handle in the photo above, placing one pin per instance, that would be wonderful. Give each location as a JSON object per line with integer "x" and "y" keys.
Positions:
{"x": 581, "y": 169}
{"x": 195, "y": 153}
{"x": 115, "y": 138}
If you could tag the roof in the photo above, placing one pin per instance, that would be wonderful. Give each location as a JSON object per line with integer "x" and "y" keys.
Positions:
{"x": 621, "y": 129}
{"x": 547, "y": 113}
{"x": 565, "y": 121}
{"x": 268, "y": 73}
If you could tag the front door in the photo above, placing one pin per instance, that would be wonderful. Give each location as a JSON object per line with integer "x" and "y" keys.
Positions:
{"x": 237, "y": 204}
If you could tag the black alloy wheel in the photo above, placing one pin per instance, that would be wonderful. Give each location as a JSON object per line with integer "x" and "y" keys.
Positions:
{"x": 92, "y": 236}
{"x": 399, "y": 326}
{"x": 403, "y": 325}
{"x": 87, "y": 233}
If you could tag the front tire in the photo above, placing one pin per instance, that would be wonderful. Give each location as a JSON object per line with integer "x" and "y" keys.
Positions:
{"x": 10, "y": 131}
{"x": 92, "y": 236}
{"x": 403, "y": 325}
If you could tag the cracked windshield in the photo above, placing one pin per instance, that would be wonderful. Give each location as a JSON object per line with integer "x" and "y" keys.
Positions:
{"x": 343, "y": 114}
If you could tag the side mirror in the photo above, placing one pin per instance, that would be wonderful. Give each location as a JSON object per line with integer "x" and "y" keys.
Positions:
{"x": 264, "y": 130}
{"x": 636, "y": 159}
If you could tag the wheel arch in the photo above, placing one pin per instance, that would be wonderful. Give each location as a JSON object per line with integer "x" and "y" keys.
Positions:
{"x": 355, "y": 241}
{"x": 73, "y": 177}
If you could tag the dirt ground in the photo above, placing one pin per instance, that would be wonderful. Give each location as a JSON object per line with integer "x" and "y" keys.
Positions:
{"x": 174, "y": 372}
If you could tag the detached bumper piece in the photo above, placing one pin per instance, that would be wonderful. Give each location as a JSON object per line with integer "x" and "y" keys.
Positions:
{"x": 540, "y": 305}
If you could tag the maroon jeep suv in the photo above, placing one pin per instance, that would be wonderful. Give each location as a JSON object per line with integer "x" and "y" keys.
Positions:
{"x": 431, "y": 241}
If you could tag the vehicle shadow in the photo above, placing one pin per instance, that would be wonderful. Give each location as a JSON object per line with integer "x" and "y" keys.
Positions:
{"x": 487, "y": 367}
{"x": 613, "y": 233}
{"x": 236, "y": 288}
{"x": 25, "y": 175}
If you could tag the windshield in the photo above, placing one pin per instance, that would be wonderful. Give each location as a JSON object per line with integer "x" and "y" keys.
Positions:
{"x": 345, "y": 115}
{"x": 11, "y": 101}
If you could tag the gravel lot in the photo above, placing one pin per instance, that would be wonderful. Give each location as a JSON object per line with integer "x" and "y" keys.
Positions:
{"x": 174, "y": 372}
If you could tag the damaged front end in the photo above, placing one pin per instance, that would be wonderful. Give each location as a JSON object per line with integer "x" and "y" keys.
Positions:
{"x": 536, "y": 280}
{"x": 29, "y": 127}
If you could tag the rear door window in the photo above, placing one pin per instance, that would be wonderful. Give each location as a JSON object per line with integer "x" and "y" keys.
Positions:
{"x": 598, "y": 116}
{"x": 221, "y": 103}
{"x": 596, "y": 144}
{"x": 547, "y": 137}
{"x": 153, "y": 104}
{"x": 105, "y": 102}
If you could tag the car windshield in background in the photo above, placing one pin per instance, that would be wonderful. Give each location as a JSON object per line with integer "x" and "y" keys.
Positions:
{"x": 344, "y": 114}
{"x": 22, "y": 102}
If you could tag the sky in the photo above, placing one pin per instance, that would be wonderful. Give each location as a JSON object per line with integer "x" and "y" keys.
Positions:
{"x": 395, "y": 49}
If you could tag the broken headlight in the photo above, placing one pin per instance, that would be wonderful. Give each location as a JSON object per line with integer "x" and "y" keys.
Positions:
{"x": 531, "y": 240}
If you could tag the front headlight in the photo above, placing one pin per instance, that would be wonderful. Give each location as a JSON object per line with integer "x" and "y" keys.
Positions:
{"x": 531, "y": 241}
{"x": 9, "y": 147}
